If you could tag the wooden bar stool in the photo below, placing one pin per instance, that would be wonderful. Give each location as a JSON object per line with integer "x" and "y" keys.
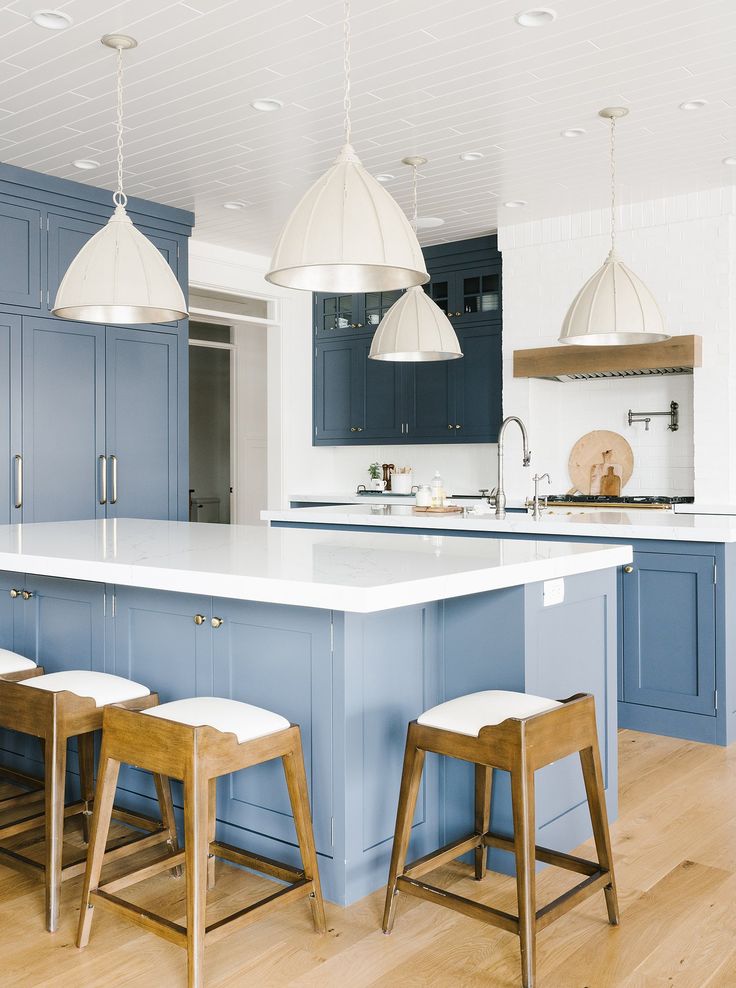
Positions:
{"x": 54, "y": 708}
{"x": 518, "y": 733}
{"x": 197, "y": 740}
{"x": 14, "y": 667}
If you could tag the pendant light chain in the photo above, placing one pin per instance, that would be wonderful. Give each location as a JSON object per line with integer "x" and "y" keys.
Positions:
{"x": 120, "y": 198}
{"x": 613, "y": 185}
{"x": 347, "y": 101}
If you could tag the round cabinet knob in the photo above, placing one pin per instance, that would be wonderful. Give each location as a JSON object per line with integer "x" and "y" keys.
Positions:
{"x": 217, "y": 622}
{"x": 26, "y": 594}
{"x": 359, "y": 429}
{"x": 458, "y": 427}
{"x": 14, "y": 593}
{"x": 449, "y": 426}
{"x": 199, "y": 619}
{"x": 628, "y": 569}
{"x": 458, "y": 313}
{"x": 360, "y": 325}
{"x": 353, "y": 428}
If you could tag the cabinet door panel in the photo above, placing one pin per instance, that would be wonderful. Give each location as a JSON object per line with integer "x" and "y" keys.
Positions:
{"x": 339, "y": 395}
{"x": 156, "y": 642}
{"x": 282, "y": 662}
{"x": 63, "y": 419}
{"x": 142, "y": 421}
{"x": 478, "y": 406}
{"x": 66, "y": 237}
{"x": 430, "y": 400}
{"x": 12, "y": 633}
{"x": 337, "y": 316}
{"x": 382, "y": 417}
{"x": 479, "y": 294}
{"x": 669, "y": 632}
{"x": 10, "y": 416}
{"x": 20, "y": 255}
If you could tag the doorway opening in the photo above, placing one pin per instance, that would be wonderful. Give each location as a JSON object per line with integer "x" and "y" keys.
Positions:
{"x": 228, "y": 461}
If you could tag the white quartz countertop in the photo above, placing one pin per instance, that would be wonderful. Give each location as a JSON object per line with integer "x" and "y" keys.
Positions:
{"x": 384, "y": 497}
{"x": 641, "y": 523}
{"x": 346, "y": 571}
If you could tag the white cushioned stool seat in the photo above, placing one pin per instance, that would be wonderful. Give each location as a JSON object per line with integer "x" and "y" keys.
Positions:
{"x": 13, "y": 662}
{"x": 243, "y": 720}
{"x": 468, "y": 714}
{"x": 102, "y": 687}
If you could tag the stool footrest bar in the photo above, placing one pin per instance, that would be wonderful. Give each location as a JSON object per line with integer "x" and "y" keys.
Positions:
{"x": 173, "y": 932}
{"x": 546, "y": 854}
{"x": 35, "y": 822}
{"x": 267, "y": 866}
{"x": 475, "y": 910}
{"x": 243, "y": 917}
{"x": 449, "y": 852}
{"x": 141, "y": 874}
{"x": 563, "y": 903}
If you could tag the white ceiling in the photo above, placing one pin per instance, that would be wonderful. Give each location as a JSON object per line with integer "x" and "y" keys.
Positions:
{"x": 431, "y": 77}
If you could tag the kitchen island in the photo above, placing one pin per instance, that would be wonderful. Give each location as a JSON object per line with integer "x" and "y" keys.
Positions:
{"x": 350, "y": 635}
{"x": 677, "y": 602}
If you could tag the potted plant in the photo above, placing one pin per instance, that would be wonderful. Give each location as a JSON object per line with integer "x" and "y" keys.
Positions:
{"x": 375, "y": 474}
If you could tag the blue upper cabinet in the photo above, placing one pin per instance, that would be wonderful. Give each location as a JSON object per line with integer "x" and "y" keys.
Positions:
{"x": 76, "y": 395}
{"x": 20, "y": 254}
{"x": 360, "y": 401}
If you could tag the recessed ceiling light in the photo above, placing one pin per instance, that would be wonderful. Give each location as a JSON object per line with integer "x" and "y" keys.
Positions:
{"x": 52, "y": 20}
{"x": 694, "y": 104}
{"x": 429, "y": 222}
{"x": 234, "y": 204}
{"x": 86, "y": 164}
{"x": 385, "y": 177}
{"x": 471, "y": 155}
{"x": 267, "y": 105}
{"x": 515, "y": 203}
{"x": 730, "y": 160}
{"x": 573, "y": 132}
{"x": 537, "y": 17}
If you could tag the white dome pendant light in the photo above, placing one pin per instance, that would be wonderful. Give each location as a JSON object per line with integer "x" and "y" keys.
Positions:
{"x": 415, "y": 328}
{"x": 347, "y": 234}
{"x": 119, "y": 276}
{"x": 614, "y": 306}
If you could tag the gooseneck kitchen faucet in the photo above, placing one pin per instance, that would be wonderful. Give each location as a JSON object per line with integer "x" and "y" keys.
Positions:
{"x": 527, "y": 458}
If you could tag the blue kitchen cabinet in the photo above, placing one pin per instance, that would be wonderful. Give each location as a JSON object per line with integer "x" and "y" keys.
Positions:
{"x": 280, "y": 660}
{"x": 66, "y": 235}
{"x": 20, "y": 254}
{"x": 142, "y": 416}
{"x": 10, "y": 418}
{"x": 669, "y": 632}
{"x": 63, "y": 419}
{"x": 12, "y": 614}
{"x": 358, "y": 401}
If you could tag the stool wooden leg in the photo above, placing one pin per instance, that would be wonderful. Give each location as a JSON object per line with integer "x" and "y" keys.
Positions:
{"x": 196, "y": 848}
{"x": 296, "y": 782}
{"x": 522, "y": 801}
{"x": 211, "y": 831}
{"x": 104, "y": 798}
{"x": 411, "y": 777}
{"x": 483, "y": 777}
{"x": 590, "y": 761}
{"x": 166, "y": 806}
{"x": 86, "y": 755}
{"x": 55, "y": 785}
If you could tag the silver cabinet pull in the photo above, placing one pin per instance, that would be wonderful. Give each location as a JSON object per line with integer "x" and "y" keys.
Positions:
{"x": 103, "y": 479}
{"x": 18, "y": 480}
{"x": 458, "y": 427}
{"x": 114, "y": 479}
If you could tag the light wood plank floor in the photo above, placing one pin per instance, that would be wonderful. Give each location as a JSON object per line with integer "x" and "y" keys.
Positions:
{"x": 675, "y": 846}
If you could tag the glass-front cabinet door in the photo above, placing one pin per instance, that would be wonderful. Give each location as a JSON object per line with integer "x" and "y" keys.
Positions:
{"x": 439, "y": 290}
{"x": 377, "y": 305}
{"x": 338, "y": 315}
{"x": 479, "y": 295}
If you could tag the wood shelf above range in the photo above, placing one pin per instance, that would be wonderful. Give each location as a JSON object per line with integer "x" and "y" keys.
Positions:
{"x": 678, "y": 355}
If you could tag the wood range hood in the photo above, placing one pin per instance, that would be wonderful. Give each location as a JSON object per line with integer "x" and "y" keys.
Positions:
{"x": 678, "y": 355}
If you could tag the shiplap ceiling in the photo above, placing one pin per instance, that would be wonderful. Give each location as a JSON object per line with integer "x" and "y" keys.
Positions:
{"x": 431, "y": 77}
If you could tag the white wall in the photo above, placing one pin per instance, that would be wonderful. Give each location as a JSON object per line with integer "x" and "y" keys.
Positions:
{"x": 683, "y": 249}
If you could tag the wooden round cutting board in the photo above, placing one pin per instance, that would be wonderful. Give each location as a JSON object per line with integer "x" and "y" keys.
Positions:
{"x": 589, "y": 450}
